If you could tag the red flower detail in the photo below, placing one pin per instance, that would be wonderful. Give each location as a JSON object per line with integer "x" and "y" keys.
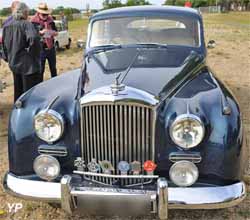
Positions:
{"x": 149, "y": 166}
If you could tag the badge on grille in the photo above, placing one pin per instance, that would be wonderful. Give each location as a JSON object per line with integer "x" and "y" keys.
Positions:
{"x": 124, "y": 167}
{"x": 135, "y": 167}
{"x": 106, "y": 166}
{"x": 79, "y": 163}
{"x": 93, "y": 166}
{"x": 149, "y": 166}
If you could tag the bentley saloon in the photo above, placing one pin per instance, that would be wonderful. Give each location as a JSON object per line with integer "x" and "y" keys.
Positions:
{"x": 143, "y": 127}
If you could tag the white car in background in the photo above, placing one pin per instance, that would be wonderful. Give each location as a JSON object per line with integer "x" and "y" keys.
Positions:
{"x": 62, "y": 39}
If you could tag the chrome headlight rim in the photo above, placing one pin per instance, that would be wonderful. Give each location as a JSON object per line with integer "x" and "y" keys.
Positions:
{"x": 183, "y": 162}
{"x": 54, "y": 114}
{"x": 182, "y": 118}
{"x": 56, "y": 162}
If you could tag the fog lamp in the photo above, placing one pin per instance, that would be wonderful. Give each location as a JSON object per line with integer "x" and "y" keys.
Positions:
{"x": 183, "y": 173}
{"x": 46, "y": 167}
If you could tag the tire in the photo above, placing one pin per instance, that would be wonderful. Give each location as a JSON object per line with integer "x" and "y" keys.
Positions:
{"x": 57, "y": 47}
{"x": 69, "y": 44}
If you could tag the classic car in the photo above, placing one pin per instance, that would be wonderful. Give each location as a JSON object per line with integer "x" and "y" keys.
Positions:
{"x": 63, "y": 38}
{"x": 143, "y": 127}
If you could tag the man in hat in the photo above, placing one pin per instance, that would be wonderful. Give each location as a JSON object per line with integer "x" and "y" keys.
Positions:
{"x": 44, "y": 22}
{"x": 21, "y": 49}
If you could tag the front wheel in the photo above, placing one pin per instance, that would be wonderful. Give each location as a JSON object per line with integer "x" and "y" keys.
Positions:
{"x": 68, "y": 45}
{"x": 57, "y": 46}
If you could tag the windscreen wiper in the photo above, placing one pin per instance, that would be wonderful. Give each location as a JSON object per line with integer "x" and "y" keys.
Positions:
{"x": 103, "y": 48}
{"x": 152, "y": 45}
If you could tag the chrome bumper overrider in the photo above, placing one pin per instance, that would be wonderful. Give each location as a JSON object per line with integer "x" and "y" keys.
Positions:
{"x": 94, "y": 200}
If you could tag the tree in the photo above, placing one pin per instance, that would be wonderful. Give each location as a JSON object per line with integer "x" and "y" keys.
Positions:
{"x": 112, "y": 4}
{"x": 32, "y": 11}
{"x": 170, "y": 2}
{"x": 200, "y": 3}
{"x": 57, "y": 10}
{"x": 137, "y": 2}
{"x": 5, "y": 12}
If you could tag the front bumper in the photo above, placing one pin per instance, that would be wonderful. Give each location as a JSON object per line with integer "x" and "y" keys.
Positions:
{"x": 101, "y": 200}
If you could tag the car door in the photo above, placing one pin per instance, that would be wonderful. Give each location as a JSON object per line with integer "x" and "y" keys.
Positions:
{"x": 64, "y": 36}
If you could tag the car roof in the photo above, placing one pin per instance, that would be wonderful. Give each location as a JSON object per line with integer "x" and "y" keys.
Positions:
{"x": 147, "y": 11}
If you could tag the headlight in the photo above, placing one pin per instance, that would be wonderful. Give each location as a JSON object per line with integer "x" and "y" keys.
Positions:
{"x": 49, "y": 125}
{"x": 46, "y": 167}
{"x": 183, "y": 173}
{"x": 187, "y": 131}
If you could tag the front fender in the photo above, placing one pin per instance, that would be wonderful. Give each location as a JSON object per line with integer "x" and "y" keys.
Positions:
{"x": 207, "y": 98}
{"x": 23, "y": 142}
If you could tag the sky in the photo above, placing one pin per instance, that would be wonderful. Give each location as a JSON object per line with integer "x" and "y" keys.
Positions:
{"x": 80, "y": 4}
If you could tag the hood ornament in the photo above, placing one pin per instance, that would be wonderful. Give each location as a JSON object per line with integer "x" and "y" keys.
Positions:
{"x": 117, "y": 87}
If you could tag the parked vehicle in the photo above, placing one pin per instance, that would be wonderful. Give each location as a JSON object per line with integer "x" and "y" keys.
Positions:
{"x": 143, "y": 127}
{"x": 63, "y": 38}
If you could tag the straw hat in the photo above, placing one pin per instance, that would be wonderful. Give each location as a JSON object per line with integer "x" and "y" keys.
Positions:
{"x": 43, "y": 8}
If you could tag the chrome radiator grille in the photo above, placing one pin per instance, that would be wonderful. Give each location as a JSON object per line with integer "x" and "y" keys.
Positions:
{"x": 117, "y": 132}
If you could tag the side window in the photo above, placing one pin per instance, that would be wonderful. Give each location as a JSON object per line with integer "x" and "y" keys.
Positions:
{"x": 59, "y": 27}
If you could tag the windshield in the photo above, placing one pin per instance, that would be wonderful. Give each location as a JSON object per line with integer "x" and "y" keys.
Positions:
{"x": 142, "y": 30}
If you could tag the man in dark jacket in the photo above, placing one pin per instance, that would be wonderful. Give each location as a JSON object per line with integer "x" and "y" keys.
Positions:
{"x": 21, "y": 49}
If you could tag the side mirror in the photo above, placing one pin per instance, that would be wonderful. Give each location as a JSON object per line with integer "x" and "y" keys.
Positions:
{"x": 211, "y": 44}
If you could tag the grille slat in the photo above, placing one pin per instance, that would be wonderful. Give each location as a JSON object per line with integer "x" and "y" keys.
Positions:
{"x": 91, "y": 148}
{"x": 117, "y": 132}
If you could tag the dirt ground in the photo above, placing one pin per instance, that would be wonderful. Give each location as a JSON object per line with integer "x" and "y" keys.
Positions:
{"x": 230, "y": 60}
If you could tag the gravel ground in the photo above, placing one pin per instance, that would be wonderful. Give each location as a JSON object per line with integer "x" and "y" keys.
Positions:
{"x": 231, "y": 62}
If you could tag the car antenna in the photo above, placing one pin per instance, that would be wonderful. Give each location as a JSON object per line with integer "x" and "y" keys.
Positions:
{"x": 129, "y": 67}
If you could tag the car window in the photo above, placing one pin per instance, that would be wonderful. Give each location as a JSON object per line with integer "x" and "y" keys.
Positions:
{"x": 156, "y": 24}
{"x": 59, "y": 27}
{"x": 136, "y": 30}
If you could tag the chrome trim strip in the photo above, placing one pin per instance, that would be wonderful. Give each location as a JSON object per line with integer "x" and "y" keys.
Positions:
{"x": 178, "y": 156}
{"x": 117, "y": 176}
{"x": 53, "y": 150}
{"x": 130, "y": 94}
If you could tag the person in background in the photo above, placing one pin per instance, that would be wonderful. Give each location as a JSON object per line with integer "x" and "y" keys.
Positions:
{"x": 6, "y": 22}
{"x": 44, "y": 22}
{"x": 21, "y": 49}
{"x": 64, "y": 20}
{"x": 10, "y": 18}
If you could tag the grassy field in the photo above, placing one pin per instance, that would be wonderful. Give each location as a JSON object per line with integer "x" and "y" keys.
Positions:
{"x": 230, "y": 60}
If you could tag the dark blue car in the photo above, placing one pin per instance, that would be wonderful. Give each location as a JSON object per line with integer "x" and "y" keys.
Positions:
{"x": 143, "y": 127}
